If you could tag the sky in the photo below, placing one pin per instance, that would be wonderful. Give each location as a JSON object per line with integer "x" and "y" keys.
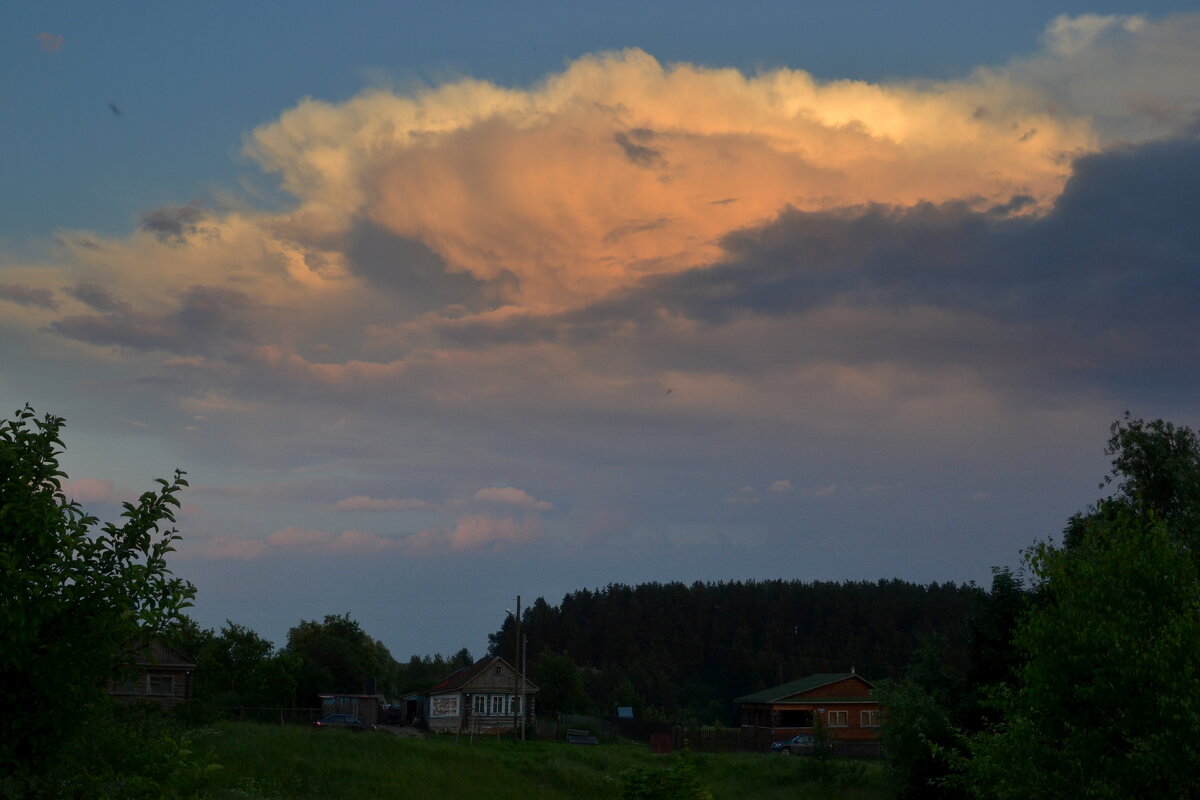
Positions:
{"x": 440, "y": 305}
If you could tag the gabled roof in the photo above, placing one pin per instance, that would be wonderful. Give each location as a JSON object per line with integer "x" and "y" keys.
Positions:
{"x": 457, "y": 680}
{"x": 782, "y": 692}
{"x": 157, "y": 653}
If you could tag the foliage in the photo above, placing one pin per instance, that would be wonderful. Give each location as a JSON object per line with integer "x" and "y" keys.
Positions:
{"x": 676, "y": 781}
{"x": 76, "y": 597}
{"x": 943, "y": 696}
{"x": 1108, "y": 703}
{"x": 133, "y": 753}
{"x": 336, "y": 655}
{"x": 1156, "y": 471}
{"x": 673, "y": 650}
{"x": 559, "y": 682}
{"x": 273, "y": 761}
{"x": 421, "y": 672}
{"x": 918, "y": 735}
{"x": 237, "y": 667}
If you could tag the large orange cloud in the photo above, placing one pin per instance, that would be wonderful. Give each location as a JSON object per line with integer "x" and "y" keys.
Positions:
{"x": 619, "y": 167}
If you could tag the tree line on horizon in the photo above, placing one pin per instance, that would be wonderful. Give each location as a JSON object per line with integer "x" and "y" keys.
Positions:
{"x": 676, "y": 651}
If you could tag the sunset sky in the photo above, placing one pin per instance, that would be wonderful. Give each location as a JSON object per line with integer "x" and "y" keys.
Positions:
{"x": 441, "y": 305}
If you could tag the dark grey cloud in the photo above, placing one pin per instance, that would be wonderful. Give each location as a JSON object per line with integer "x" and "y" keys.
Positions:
{"x": 173, "y": 224}
{"x": 96, "y": 296}
{"x": 408, "y": 270}
{"x": 28, "y": 296}
{"x": 635, "y": 144}
{"x": 205, "y": 319}
{"x": 637, "y": 226}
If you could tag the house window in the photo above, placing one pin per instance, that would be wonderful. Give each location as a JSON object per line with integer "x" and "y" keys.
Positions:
{"x": 498, "y": 709}
{"x": 795, "y": 719}
{"x": 162, "y": 684}
{"x": 479, "y": 704}
{"x": 839, "y": 719}
{"x": 443, "y": 706}
{"x": 868, "y": 719}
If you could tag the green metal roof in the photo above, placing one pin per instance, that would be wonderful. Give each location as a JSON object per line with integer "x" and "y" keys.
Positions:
{"x": 778, "y": 694}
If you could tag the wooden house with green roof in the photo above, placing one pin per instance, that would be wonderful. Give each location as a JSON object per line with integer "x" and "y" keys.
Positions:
{"x": 843, "y": 701}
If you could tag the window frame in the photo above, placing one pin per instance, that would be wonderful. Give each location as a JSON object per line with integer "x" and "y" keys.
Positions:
{"x": 156, "y": 683}
{"x": 838, "y": 719}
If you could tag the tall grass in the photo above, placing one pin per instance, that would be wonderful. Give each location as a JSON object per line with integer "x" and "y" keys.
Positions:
{"x": 294, "y": 762}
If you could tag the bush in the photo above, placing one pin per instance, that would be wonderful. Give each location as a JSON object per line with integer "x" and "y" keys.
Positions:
{"x": 677, "y": 781}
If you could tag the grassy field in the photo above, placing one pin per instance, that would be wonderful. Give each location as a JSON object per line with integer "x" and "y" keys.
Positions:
{"x": 295, "y": 762}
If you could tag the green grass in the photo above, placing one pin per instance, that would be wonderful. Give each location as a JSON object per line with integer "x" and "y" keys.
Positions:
{"x": 263, "y": 761}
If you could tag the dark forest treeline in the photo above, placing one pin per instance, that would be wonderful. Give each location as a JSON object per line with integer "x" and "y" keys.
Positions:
{"x": 677, "y": 650}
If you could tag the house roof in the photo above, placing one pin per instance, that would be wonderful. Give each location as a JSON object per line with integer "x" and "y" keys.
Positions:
{"x": 777, "y": 694}
{"x": 157, "y": 653}
{"x": 460, "y": 678}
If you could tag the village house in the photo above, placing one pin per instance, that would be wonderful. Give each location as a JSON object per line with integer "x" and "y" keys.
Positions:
{"x": 482, "y": 698}
{"x": 157, "y": 673}
{"x": 844, "y": 702}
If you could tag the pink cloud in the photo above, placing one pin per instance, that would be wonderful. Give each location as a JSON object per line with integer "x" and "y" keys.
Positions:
{"x": 511, "y": 496}
{"x": 475, "y": 533}
{"x": 91, "y": 490}
{"x": 50, "y": 42}
{"x": 364, "y": 503}
{"x": 778, "y": 487}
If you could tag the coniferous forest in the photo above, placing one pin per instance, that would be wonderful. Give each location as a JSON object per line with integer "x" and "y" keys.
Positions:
{"x": 678, "y": 651}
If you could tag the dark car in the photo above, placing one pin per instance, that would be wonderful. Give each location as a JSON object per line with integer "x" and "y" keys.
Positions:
{"x": 343, "y": 721}
{"x": 798, "y": 745}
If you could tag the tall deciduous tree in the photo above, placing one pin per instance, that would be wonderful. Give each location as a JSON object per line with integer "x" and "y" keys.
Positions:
{"x": 336, "y": 655}
{"x": 1108, "y": 703}
{"x": 76, "y": 597}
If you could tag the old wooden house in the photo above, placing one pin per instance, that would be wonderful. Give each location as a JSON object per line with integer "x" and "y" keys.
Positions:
{"x": 487, "y": 697}
{"x": 156, "y": 672}
{"x": 844, "y": 702}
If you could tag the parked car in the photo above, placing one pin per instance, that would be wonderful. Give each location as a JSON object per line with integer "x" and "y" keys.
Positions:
{"x": 802, "y": 744}
{"x": 343, "y": 721}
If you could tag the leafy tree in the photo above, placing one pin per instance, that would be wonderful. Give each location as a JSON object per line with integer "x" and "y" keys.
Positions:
{"x": 1156, "y": 471}
{"x": 919, "y": 727}
{"x": 336, "y": 655}
{"x": 237, "y": 667}
{"x": 559, "y": 682}
{"x": 76, "y": 597}
{"x": 1108, "y": 702}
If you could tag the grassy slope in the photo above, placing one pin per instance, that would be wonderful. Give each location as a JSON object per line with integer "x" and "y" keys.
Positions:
{"x": 293, "y": 762}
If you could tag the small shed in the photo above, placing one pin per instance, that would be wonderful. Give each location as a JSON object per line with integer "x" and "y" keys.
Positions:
{"x": 156, "y": 672}
{"x": 367, "y": 707}
{"x": 843, "y": 701}
{"x": 487, "y": 696}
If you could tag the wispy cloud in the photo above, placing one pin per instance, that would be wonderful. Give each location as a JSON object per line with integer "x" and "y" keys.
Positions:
{"x": 363, "y": 503}
{"x": 511, "y": 496}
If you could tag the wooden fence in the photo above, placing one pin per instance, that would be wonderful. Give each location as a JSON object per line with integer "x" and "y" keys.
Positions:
{"x": 275, "y": 716}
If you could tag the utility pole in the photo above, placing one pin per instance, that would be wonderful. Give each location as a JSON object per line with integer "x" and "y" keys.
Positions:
{"x": 524, "y": 665}
{"x": 517, "y": 664}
